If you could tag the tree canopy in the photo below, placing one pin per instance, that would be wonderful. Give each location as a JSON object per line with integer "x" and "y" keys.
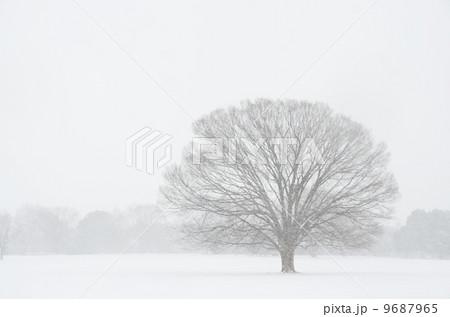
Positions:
{"x": 281, "y": 174}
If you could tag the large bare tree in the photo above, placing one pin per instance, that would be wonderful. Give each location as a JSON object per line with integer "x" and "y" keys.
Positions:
{"x": 281, "y": 175}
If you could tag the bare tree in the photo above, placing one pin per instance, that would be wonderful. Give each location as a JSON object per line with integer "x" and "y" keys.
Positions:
{"x": 40, "y": 229}
{"x": 273, "y": 190}
{"x": 5, "y": 226}
{"x": 134, "y": 220}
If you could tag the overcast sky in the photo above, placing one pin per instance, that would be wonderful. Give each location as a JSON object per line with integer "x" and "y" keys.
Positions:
{"x": 69, "y": 96}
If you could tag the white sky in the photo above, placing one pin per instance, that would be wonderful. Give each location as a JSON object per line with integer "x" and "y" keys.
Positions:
{"x": 69, "y": 97}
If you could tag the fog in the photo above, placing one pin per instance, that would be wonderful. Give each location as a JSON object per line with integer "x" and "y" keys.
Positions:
{"x": 69, "y": 96}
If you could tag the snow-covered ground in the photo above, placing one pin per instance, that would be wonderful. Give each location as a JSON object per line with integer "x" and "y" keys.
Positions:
{"x": 221, "y": 276}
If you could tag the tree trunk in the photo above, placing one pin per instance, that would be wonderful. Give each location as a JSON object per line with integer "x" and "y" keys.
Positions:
{"x": 287, "y": 260}
{"x": 1, "y": 254}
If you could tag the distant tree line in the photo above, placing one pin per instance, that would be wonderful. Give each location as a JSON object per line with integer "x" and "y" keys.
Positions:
{"x": 43, "y": 230}
{"x": 425, "y": 234}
